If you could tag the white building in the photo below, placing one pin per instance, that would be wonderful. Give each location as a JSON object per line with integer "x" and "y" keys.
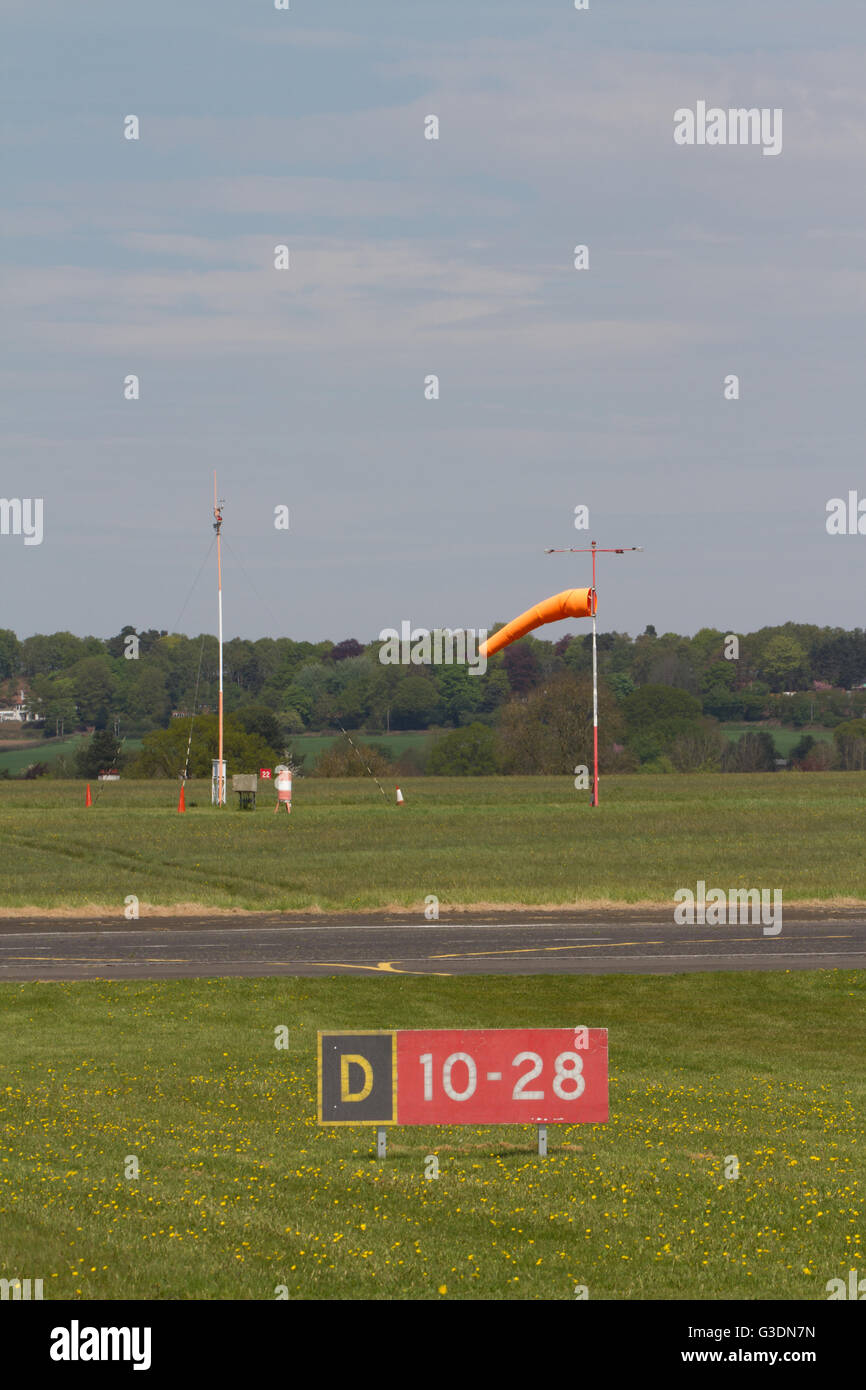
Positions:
{"x": 18, "y": 712}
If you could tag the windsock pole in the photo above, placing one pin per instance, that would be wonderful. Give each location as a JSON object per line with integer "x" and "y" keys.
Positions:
{"x": 593, "y": 550}
{"x": 594, "y": 692}
{"x": 217, "y": 526}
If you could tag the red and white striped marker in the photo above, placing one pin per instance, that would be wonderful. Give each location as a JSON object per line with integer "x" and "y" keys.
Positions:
{"x": 400, "y": 801}
{"x": 284, "y": 788}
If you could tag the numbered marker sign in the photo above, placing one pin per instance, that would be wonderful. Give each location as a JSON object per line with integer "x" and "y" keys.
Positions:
{"x": 478, "y": 1076}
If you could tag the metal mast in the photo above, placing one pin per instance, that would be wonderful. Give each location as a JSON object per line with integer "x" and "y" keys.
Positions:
{"x": 217, "y": 526}
{"x": 594, "y": 550}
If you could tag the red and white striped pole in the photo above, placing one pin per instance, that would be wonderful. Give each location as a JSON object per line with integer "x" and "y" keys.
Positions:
{"x": 594, "y": 550}
{"x": 594, "y": 687}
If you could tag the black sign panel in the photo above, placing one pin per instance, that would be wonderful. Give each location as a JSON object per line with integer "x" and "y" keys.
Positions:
{"x": 357, "y": 1078}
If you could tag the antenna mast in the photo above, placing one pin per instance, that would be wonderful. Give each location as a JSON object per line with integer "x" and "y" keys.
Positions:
{"x": 217, "y": 526}
{"x": 593, "y": 550}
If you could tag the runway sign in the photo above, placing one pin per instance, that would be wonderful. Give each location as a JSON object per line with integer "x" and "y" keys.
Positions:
{"x": 475, "y": 1076}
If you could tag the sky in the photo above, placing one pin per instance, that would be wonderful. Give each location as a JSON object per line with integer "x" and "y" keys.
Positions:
{"x": 410, "y": 258}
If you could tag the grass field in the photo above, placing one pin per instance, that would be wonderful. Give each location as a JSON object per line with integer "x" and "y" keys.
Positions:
{"x": 15, "y": 759}
{"x": 240, "y": 1190}
{"x": 312, "y": 746}
{"x": 468, "y": 840}
{"x": 784, "y": 739}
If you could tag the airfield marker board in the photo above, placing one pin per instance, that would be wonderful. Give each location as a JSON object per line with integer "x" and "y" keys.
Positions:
{"x": 472, "y": 1076}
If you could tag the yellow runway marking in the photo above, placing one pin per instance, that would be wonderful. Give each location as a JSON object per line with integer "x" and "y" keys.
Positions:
{"x": 383, "y": 965}
{"x": 530, "y": 950}
{"x": 616, "y": 945}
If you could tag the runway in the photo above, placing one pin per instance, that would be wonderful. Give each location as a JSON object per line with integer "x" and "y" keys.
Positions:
{"x": 487, "y": 943}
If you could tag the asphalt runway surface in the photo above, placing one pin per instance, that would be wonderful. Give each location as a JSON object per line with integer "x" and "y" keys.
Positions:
{"x": 568, "y": 942}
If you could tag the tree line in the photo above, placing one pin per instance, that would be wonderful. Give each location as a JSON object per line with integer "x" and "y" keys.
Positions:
{"x": 663, "y": 697}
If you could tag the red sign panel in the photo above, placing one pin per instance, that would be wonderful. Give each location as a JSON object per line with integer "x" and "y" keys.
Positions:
{"x": 264, "y": 772}
{"x": 502, "y": 1076}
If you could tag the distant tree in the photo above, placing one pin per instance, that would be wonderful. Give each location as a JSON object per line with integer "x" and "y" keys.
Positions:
{"x": 698, "y": 752}
{"x": 620, "y": 684}
{"x": 416, "y": 703}
{"x": 839, "y": 657}
{"x": 290, "y": 721}
{"x": 149, "y": 639}
{"x": 299, "y": 699}
{"x": 411, "y": 763}
{"x": 258, "y": 719}
{"x": 148, "y": 703}
{"x": 43, "y": 654}
{"x": 753, "y": 702}
{"x": 550, "y": 730}
{"x": 674, "y": 669}
{"x": 10, "y": 653}
{"x": 783, "y": 663}
{"x": 495, "y": 690}
{"x": 577, "y": 657}
{"x": 801, "y": 750}
{"x": 818, "y": 759}
{"x": 466, "y": 752}
{"x": 98, "y": 754}
{"x": 460, "y": 693}
{"x": 116, "y": 646}
{"x": 850, "y": 740}
{"x": 657, "y": 714}
{"x": 348, "y": 647}
{"x": 753, "y": 752}
{"x": 522, "y": 667}
{"x": 93, "y": 687}
{"x": 34, "y": 770}
{"x": 341, "y": 760}
{"x": 707, "y": 647}
{"x": 163, "y": 752}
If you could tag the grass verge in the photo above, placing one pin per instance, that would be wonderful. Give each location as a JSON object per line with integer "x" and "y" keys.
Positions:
{"x": 240, "y": 1191}
{"x": 529, "y": 840}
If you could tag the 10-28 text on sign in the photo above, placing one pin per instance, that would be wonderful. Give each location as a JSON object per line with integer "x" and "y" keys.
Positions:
{"x": 463, "y": 1076}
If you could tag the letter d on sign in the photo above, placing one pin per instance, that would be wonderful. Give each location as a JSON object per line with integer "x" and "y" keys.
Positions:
{"x": 357, "y": 1078}
{"x": 353, "y": 1059}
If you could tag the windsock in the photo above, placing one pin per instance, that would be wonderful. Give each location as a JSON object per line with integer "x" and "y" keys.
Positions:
{"x": 571, "y": 603}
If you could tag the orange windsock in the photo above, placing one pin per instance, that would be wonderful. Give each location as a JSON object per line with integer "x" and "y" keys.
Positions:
{"x": 571, "y": 603}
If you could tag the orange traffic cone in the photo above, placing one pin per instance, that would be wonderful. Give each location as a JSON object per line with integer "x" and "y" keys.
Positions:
{"x": 88, "y": 799}
{"x": 181, "y": 805}
{"x": 400, "y": 801}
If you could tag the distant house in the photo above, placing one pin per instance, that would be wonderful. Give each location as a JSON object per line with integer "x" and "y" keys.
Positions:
{"x": 17, "y": 712}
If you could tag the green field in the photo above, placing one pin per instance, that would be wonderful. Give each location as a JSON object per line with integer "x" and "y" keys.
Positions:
{"x": 15, "y": 759}
{"x": 240, "y": 1191}
{"x": 312, "y": 746}
{"x": 532, "y": 840}
{"x": 784, "y": 739}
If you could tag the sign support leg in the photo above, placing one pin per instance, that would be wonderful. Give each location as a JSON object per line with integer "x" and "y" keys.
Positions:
{"x": 381, "y": 1143}
{"x": 542, "y": 1141}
